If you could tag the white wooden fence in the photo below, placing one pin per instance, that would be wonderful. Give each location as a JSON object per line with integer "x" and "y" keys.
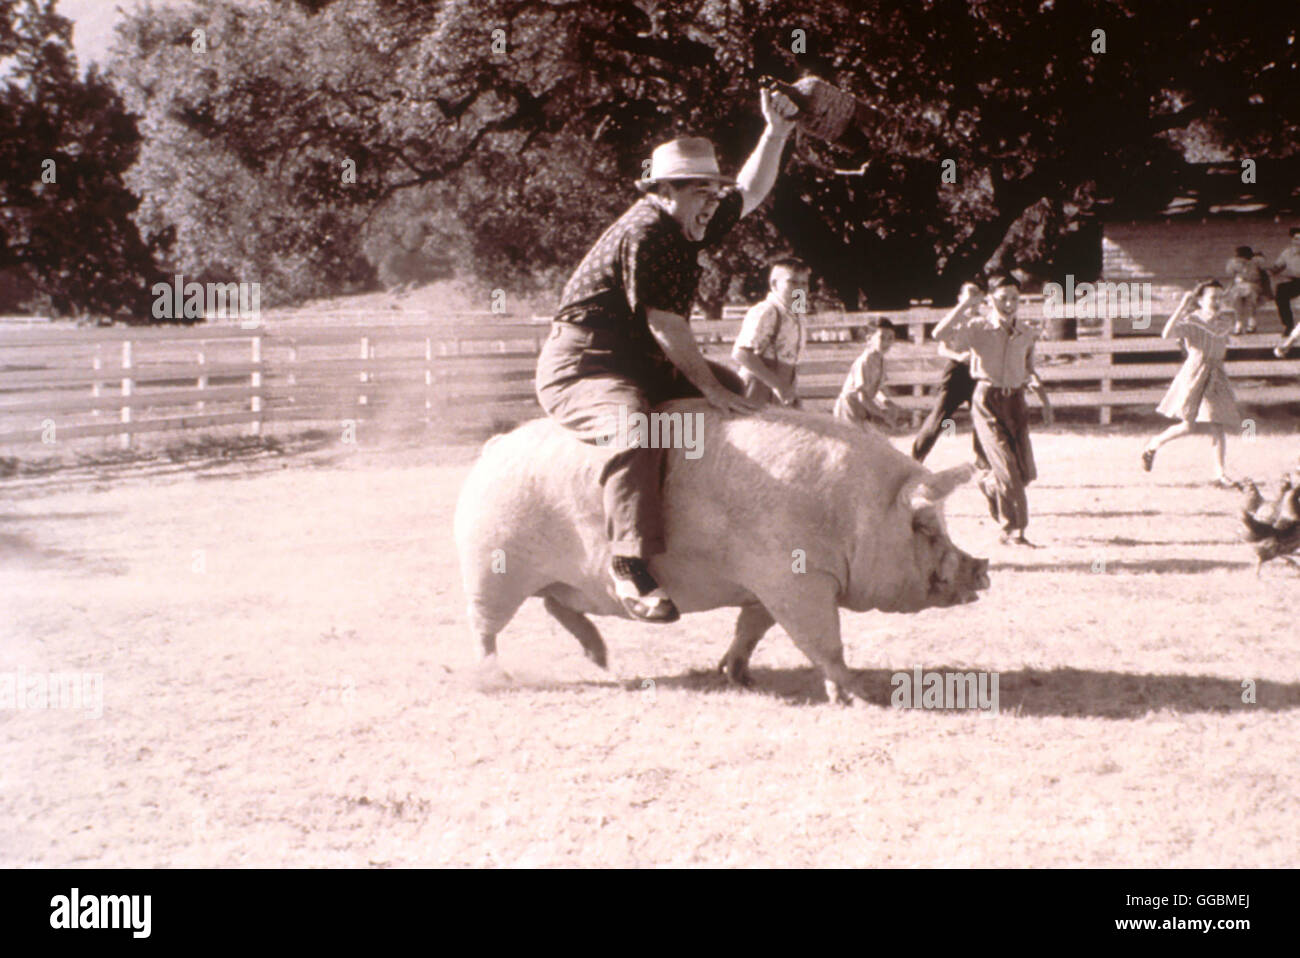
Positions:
{"x": 468, "y": 372}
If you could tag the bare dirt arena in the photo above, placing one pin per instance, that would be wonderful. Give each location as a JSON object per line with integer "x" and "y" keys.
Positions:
{"x": 288, "y": 680}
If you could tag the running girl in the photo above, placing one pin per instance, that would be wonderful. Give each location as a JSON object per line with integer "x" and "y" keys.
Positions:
{"x": 1200, "y": 397}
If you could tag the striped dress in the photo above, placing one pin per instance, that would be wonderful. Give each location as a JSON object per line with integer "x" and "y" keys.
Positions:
{"x": 1201, "y": 391}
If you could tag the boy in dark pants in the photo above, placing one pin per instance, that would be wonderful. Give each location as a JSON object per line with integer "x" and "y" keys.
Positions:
{"x": 1002, "y": 364}
{"x": 956, "y": 387}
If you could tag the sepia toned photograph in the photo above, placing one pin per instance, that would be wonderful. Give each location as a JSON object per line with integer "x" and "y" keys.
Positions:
{"x": 626, "y": 434}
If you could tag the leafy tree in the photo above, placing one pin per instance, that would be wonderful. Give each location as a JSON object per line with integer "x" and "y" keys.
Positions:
{"x": 65, "y": 144}
{"x": 508, "y": 131}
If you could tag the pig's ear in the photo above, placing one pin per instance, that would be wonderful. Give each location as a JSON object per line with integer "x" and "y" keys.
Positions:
{"x": 930, "y": 488}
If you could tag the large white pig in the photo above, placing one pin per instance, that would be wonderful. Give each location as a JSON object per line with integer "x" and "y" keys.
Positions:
{"x": 786, "y": 514}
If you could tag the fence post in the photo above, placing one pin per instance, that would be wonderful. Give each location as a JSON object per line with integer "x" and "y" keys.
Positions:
{"x": 256, "y": 382}
{"x": 916, "y": 332}
{"x": 365, "y": 355}
{"x": 203, "y": 378}
{"x": 293, "y": 366}
{"x": 1107, "y": 337}
{"x": 428, "y": 373}
{"x": 127, "y": 385}
{"x": 97, "y": 363}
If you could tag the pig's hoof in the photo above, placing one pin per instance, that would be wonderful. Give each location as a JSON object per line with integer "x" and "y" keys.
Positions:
{"x": 737, "y": 672}
{"x": 842, "y": 694}
{"x": 490, "y": 677}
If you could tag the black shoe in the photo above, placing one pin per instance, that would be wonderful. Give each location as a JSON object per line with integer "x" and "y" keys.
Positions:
{"x": 1148, "y": 459}
{"x": 640, "y": 594}
{"x": 1016, "y": 539}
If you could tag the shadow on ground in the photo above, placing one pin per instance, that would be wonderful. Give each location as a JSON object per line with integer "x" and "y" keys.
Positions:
{"x": 1116, "y": 513}
{"x": 1072, "y": 693}
{"x": 1174, "y": 565}
{"x": 19, "y": 549}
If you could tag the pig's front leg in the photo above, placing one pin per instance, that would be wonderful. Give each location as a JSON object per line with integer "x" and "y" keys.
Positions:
{"x": 811, "y": 616}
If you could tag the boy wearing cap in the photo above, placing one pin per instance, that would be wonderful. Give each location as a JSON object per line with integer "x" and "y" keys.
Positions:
{"x": 862, "y": 398}
{"x": 621, "y": 342}
{"x": 771, "y": 339}
{"x": 1249, "y": 287}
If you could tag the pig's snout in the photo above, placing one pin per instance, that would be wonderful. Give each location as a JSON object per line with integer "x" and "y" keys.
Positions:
{"x": 959, "y": 579}
{"x": 974, "y": 578}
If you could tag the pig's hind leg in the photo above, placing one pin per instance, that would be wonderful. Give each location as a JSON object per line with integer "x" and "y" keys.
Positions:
{"x": 751, "y": 625}
{"x": 581, "y": 628}
{"x": 493, "y": 599}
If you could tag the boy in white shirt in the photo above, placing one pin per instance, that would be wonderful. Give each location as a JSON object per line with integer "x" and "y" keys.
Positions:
{"x": 1287, "y": 285}
{"x": 771, "y": 338}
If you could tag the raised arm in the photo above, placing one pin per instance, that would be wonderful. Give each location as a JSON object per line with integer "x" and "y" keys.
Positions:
{"x": 1183, "y": 305}
{"x": 757, "y": 176}
{"x": 969, "y": 299}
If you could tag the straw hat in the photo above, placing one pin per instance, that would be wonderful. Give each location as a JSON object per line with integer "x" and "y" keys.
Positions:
{"x": 685, "y": 158}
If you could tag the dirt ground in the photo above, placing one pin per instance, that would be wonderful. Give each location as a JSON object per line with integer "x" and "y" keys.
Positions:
{"x": 287, "y": 680}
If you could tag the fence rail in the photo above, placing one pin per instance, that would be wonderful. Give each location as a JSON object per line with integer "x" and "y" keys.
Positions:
{"x": 474, "y": 370}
